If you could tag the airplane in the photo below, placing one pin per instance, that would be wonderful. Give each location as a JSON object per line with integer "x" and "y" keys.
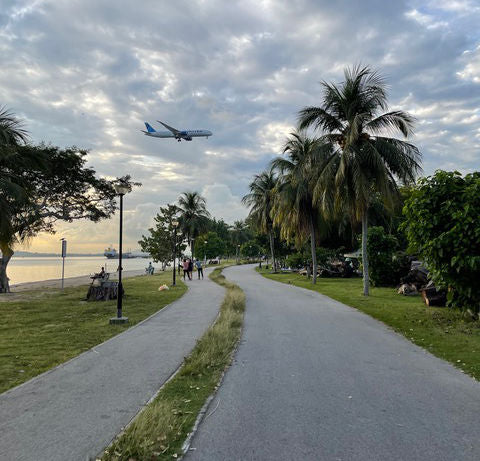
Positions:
{"x": 186, "y": 135}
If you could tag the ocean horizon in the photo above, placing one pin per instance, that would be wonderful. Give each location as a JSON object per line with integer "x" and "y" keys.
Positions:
{"x": 23, "y": 269}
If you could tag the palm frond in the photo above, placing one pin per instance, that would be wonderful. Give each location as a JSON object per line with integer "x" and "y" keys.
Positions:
{"x": 395, "y": 121}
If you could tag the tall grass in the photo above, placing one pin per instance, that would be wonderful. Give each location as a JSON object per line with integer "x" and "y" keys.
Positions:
{"x": 159, "y": 431}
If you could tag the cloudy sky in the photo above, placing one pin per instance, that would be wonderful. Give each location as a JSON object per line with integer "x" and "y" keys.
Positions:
{"x": 89, "y": 72}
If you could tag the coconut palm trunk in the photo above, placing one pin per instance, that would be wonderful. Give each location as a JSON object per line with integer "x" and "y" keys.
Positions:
{"x": 7, "y": 254}
{"x": 314, "y": 249}
{"x": 366, "y": 280}
{"x": 272, "y": 251}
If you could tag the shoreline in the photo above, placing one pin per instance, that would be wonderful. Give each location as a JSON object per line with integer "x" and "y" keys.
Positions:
{"x": 69, "y": 281}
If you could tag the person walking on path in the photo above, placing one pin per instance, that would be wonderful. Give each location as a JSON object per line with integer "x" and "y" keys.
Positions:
{"x": 190, "y": 269}
{"x": 198, "y": 263}
{"x": 185, "y": 269}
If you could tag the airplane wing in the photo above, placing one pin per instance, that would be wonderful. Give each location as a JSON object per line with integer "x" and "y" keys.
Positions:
{"x": 173, "y": 130}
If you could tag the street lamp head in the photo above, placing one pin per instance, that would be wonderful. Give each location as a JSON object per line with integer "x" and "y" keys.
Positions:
{"x": 175, "y": 223}
{"x": 205, "y": 242}
{"x": 121, "y": 188}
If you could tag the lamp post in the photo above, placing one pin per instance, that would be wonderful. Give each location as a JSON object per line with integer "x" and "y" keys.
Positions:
{"x": 192, "y": 246}
{"x": 205, "y": 253}
{"x": 175, "y": 225}
{"x": 238, "y": 249}
{"x": 64, "y": 254}
{"x": 121, "y": 189}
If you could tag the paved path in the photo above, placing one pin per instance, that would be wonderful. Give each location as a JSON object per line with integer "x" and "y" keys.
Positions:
{"x": 316, "y": 380}
{"x": 75, "y": 410}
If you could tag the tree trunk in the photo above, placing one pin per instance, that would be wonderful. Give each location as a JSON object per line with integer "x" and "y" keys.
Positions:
{"x": 314, "y": 249}
{"x": 7, "y": 254}
{"x": 366, "y": 280}
{"x": 272, "y": 250}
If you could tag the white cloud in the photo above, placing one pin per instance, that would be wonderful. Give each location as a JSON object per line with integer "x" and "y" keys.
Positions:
{"x": 222, "y": 203}
{"x": 471, "y": 70}
{"x": 87, "y": 73}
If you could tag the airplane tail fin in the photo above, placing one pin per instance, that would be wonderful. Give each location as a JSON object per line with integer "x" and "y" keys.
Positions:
{"x": 149, "y": 128}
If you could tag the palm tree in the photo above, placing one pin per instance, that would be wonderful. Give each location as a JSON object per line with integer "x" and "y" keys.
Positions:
{"x": 239, "y": 233}
{"x": 363, "y": 159}
{"x": 12, "y": 188}
{"x": 11, "y": 128}
{"x": 11, "y": 134}
{"x": 260, "y": 201}
{"x": 294, "y": 210}
{"x": 194, "y": 216}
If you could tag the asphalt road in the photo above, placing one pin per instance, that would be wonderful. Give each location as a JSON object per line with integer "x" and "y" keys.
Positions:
{"x": 316, "y": 380}
{"x": 72, "y": 412}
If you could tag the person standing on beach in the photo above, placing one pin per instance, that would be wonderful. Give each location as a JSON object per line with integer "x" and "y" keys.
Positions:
{"x": 198, "y": 263}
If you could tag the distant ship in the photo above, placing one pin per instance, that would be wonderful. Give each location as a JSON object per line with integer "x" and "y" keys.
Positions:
{"x": 111, "y": 253}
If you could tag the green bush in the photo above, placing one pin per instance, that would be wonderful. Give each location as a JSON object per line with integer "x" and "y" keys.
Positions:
{"x": 381, "y": 248}
{"x": 443, "y": 227}
{"x": 324, "y": 255}
{"x": 296, "y": 261}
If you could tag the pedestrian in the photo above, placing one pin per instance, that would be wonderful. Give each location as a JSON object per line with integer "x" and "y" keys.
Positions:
{"x": 185, "y": 269}
{"x": 190, "y": 269}
{"x": 198, "y": 263}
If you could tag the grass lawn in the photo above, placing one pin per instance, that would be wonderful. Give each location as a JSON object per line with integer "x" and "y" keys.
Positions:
{"x": 159, "y": 431}
{"x": 40, "y": 330}
{"x": 444, "y": 332}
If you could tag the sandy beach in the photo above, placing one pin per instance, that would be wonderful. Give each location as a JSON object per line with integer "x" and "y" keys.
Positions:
{"x": 56, "y": 283}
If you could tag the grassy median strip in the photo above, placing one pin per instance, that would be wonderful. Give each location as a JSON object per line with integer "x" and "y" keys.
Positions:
{"x": 446, "y": 333}
{"x": 43, "y": 328}
{"x": 159, "y": 431}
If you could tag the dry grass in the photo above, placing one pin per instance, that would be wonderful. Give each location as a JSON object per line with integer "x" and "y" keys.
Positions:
{"x": 159, "y": 431}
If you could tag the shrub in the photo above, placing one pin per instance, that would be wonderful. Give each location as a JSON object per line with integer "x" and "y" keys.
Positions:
{"x": 443, "y": 227}
{"x": 381, "y": 248}
{"x": 296, "y": 261}
{"x": 324, "y": 255}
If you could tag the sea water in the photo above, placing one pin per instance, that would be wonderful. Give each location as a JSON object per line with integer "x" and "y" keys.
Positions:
{"x": 32, "y": 269}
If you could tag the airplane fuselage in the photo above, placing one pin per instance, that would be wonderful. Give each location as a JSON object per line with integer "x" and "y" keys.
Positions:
{"x": 186, "y": 135}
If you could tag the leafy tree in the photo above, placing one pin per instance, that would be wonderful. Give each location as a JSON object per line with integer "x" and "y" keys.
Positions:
{"x": 194, "y": 217}
{"x": 160, "y": 243}
{"x": 297, "y": 260}
{"x": 221, "y": 228}
{"x": 250, "y": 249}
{"x": 260, "y": 200}
{"x": 240, "y": 233}
{"x": 295, "y": 212}
{"x": 362, "y": 160}
{"x": 388, "y": 264}
{"x": 58, "y": 187}
{"x": 214, "y": 247}
{"x": 443, "y": 228}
